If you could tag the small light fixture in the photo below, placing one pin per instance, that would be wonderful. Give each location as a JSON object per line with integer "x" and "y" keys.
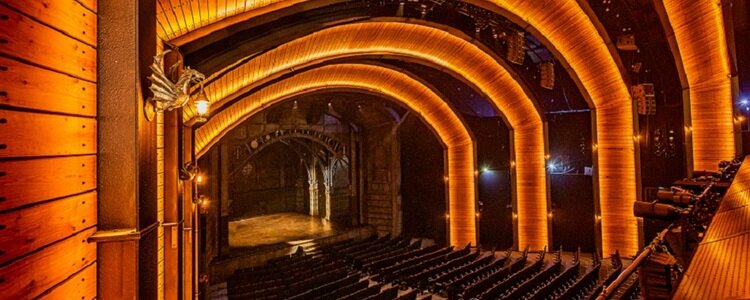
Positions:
{"x": 199, "y": 179}
{"x": 169, "y": 95}
{"x": 201, "y": 107}
{"x": 447, "y": 216}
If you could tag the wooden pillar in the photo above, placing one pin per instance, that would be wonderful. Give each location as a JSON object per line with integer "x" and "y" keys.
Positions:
{"x": 190, "y": 225}
{"x": 127, "y": 173}
{"x": 172, "y": 219}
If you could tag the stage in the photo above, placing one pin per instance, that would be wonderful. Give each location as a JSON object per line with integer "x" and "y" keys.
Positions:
{"x": 290, "y": 228}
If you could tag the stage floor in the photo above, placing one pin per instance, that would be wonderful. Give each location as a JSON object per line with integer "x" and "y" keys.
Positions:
{"x": 278, "y": 228}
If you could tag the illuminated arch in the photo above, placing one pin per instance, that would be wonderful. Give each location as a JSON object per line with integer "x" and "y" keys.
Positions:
{"x": 392, "y": 84}
{"x": 565, "y": 28}
{"x": 447, "y": 52}
{"x": 695, "y": 30}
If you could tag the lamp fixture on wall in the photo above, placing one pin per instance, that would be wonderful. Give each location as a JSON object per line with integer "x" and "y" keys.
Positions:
{"x": 169, "y": 95}
{"x": 188, "y": 171}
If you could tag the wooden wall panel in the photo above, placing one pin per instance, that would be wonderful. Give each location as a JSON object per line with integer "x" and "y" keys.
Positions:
{"x": 81, "y": 286}
{"x": 23, "y": 231}
{"x": 24, "y": 134}
{"x": 27, "y": 86}
{"x": 32, "y": 275}
{"x": 42, "y": 45}
{"x": 29, "y": 181}
{"x": 90, "y": 4}
{"x": 48, "y": 145}
{"x": 67, "y": 16}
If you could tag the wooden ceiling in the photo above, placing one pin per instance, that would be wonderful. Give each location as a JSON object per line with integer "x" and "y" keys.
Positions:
{"x": 571, "y": 31}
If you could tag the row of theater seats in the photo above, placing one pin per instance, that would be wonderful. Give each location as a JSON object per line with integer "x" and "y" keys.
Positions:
{"x": 387, "y": 269}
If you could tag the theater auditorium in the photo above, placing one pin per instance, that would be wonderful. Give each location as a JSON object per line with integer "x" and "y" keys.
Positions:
{"x": 374, "y": 149}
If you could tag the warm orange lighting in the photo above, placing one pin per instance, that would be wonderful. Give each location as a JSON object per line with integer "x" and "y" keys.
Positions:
{"x": 448, "y": 52}
{"x": 174, "y": 20}
{"x": 569, "y": 32}
{"x": 199, "y": 179}
{"x": 389, "y": 83}
{"x": 201, "y": 107}
{"x": 699, "y": 31}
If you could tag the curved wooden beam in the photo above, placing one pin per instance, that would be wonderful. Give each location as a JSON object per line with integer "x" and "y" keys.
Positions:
{"x": 696, "y": 35}
{"x": 394, "y": 85}
{"x": 446, "y": 51}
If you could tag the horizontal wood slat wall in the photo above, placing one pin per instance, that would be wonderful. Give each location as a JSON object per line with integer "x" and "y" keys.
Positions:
{"x": 29, "y": 229}
{"x": 33, "y": 180}
{"x": 48, "y": 131}
{"x": 67, "y": 16}
{"x": 38, "y": 272}
{"x": 31, "y": 87}
{"x": 80, "y": 286}
{"x": 26, "y": 134}
{"x": 41, "y": 45}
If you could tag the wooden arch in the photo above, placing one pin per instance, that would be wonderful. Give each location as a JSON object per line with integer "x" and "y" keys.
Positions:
{"x": 695, "y": 31}
{"x": 567, "y": 30}
{"x": 394, "y": 85}
{"x": 446, "y": 51}
{"x": 257, "y": 144}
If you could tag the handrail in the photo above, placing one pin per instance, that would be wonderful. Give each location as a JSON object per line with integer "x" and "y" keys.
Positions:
{"x": 625, "y": 274}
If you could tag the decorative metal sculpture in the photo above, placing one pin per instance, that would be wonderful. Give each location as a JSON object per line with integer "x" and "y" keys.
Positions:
{"x": 169, "y": 95}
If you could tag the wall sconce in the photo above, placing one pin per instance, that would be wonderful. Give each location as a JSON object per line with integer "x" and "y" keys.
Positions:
{"x": 202, "y": 203}
{"x": 201, "y": 107}
{"x": 199, "y": 179}
{"x": 169, "y": 95}
{"x": 188, "y": 171}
